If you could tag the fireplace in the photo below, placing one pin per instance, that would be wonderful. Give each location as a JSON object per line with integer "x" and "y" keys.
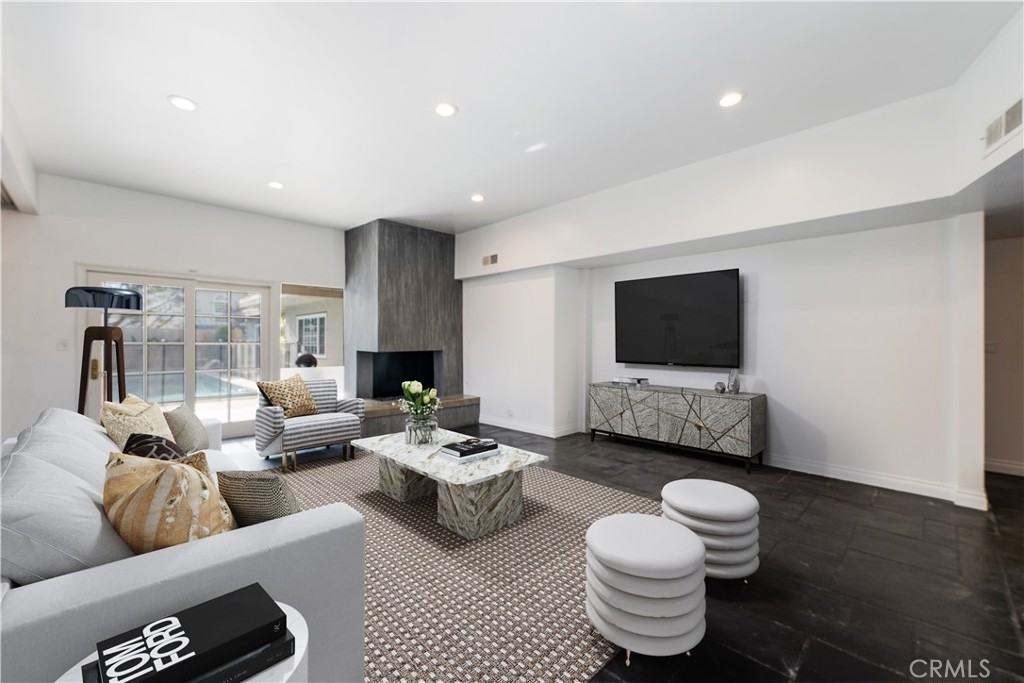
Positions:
{"x": 380, "y": 375}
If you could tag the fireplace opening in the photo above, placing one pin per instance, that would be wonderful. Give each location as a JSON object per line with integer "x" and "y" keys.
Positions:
{"x": 391, "y": 368}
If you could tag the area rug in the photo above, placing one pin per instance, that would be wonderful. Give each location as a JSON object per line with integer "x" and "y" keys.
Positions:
{"x": 506, "y": 607}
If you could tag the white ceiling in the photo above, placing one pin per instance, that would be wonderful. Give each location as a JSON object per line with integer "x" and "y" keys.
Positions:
{"x": 336, "y": 100}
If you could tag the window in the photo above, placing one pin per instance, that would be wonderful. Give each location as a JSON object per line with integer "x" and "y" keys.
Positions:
{"x": 194, "y": 342}
{"x": 312, "y": 334}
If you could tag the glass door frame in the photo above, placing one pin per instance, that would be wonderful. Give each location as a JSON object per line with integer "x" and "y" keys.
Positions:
{"x": 94, "y": 275}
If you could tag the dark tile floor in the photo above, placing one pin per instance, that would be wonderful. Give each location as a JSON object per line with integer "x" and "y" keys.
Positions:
{"x": 855, "y": 582}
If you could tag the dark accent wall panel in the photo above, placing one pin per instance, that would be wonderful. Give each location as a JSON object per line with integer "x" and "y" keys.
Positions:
{"x": 415, "y": 300}
{"x": 361, "y": 259}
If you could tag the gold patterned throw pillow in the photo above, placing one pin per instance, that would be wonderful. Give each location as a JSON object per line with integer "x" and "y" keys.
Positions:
{"x": 121, "y": 420}
{"x": 290, "y": 394}
{"x": 155, "y": 504}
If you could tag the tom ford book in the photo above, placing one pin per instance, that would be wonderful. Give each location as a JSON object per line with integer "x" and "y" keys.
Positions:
{"x": 194, "y": 641}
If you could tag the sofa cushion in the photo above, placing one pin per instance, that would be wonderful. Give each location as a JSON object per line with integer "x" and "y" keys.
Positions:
{"x": 290, "y": 394}
{"x": 70, "y": 441}
{"x": 120, "y": 425}
{"x": 152, "y": 446}
{"x": 188, "y": 430}
{"x": 52, "y": 521}
{"x": 256, "y": 496}
{"x": 156, "y": 504}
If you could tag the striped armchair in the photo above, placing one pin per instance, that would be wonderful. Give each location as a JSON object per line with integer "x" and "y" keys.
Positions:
{"x": 338, "y": 421}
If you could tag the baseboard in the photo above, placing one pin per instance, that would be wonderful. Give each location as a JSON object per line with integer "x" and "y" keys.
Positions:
{"x": 971, "y": 499}
{"x": 1005, "y": 467}
{"x": 528, "y": 427}
{"x": 895, "y": 482}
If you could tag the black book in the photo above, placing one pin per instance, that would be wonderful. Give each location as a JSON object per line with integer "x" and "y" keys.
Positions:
{"x": 251, "y": 663}
{"x": 91, "y": 672}
{"x": 469, "y": 447}
{"x": 194, "y": 641}
{"x": 239, "y": 669}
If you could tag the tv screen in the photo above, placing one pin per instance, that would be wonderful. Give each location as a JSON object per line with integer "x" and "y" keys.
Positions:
{"x": 691, "y": 319}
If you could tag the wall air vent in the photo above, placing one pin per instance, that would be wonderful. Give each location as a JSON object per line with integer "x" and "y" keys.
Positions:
{"x": 999, "y": 130}
{"x": 1011, "y": 120}
{"x": 994, "y": 132}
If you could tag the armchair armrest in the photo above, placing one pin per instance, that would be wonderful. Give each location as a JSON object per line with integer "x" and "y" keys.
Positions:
{"x": 213, "y": 431}
{"x": 269, "y": 424}
{"x": 356, "y": 406}
{"x": 313, "y": 561}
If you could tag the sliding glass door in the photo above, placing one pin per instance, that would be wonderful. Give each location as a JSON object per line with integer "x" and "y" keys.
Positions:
{"x": 195, "y": 342}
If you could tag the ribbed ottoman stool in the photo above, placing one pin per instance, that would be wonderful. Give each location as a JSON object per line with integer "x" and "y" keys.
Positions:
{"x": 645, "y": 584}
{"x": 723, "y": 516}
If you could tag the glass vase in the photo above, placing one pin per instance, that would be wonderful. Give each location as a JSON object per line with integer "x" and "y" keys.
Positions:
{"x": 420, "y": 431}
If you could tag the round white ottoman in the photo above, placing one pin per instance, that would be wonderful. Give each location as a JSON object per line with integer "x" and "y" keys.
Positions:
{"x": 723, "y": 516}
{"x": 645, "y": 584}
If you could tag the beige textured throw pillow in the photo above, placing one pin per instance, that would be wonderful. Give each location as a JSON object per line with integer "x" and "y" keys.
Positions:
{"x": 121, "y": 424}
{"x": 290, "y": 394}
{"x": 256, "y": 496}
{"x": 189, "y": 432}
{"x": 155, "y": 504}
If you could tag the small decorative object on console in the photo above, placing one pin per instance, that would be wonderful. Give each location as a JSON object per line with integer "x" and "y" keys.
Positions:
{"x": 420, "y": 404}
{"x": 720, "y": 387}
{"x": 734, "y": 381}
{"x": 633, "y": 381}
{"x": 188, "y": 644}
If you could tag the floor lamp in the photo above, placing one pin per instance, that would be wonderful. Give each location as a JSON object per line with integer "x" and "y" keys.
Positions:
{"x": 105, "y": 298}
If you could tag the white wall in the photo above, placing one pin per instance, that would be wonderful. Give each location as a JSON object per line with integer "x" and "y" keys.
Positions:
{"x": 1004, "y": 357}
{"x": 88, "y": 224}
{"x": 19, "y": 173}
{"x": 847, "y": 337}
{"x": 992, "y": 83}
{"x": 894, "y": 155}
{"x": 568, "y": 350}
{"x": 509, "y": 359}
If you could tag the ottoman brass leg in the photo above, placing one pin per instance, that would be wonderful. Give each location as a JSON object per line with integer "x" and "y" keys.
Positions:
{"x": 627, "y": 656}
{"x": 284, "y": 462}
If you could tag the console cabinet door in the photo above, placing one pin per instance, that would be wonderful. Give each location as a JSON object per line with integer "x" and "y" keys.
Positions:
{"x": 678, "y": 417}
{"x": 606, "y": 409}
{"x": 726, "y": 425}
{"x": 640, "y": 413}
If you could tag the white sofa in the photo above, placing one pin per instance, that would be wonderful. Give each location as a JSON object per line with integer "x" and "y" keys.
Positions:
{"x": 51, "y": 484}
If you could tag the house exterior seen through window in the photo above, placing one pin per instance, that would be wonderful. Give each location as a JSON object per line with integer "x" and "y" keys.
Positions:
{"x": 311, "y": 330}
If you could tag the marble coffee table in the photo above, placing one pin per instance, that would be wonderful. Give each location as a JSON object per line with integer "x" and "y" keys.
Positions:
{"x": 473, "y": 498}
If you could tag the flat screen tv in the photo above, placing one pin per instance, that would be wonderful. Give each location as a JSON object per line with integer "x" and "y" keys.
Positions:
{"x": 691, "y": 319}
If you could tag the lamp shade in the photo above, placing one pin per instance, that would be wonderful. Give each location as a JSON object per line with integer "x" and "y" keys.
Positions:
{"x": 102, "y": 297}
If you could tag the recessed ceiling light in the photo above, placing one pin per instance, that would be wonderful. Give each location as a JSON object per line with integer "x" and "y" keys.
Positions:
{"x": 274, "y": 185}
{"x": 477, "y": 198}
{"x": 446, "y": 109}
{"x": 536, "y": 147}
{"x": 731, "y": 99}
{"x": 183, "y": 103}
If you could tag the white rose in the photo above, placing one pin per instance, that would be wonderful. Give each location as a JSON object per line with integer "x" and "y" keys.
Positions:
{"x": 405, "y": 384}
{"x": 433, "y": 393}
{"x": 415, "y": 388}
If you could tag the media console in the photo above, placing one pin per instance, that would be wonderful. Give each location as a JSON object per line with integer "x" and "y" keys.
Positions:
{"x": 700, "y": 419}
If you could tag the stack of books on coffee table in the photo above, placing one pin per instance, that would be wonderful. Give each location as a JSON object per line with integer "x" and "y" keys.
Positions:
{"x": 223, "y": 640}
{"x": 470, "y": 449}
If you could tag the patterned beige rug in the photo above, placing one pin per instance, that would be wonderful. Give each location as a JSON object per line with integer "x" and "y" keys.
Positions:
{"x": 506, "y": 607}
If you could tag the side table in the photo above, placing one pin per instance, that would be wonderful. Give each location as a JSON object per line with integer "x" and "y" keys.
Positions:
{"x": 295, "y": 669}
